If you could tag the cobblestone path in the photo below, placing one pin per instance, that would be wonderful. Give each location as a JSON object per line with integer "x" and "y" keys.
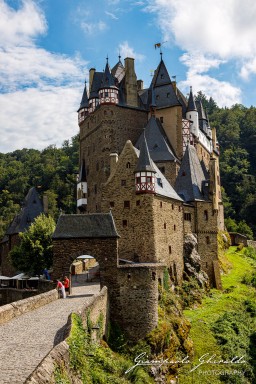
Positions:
{"x": 27, "y": 339}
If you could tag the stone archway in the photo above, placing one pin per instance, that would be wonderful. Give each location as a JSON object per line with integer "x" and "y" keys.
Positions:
{"x": 93, "y": 234}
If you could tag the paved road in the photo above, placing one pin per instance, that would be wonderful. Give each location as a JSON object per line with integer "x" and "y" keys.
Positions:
{"x": 27, "y": 339}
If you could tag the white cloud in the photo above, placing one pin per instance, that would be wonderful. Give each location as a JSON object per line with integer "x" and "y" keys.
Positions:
{"x": 222, "y": 92}
{"x": 223, "y": 28}
{"x": 93, "y": 28}
{"x": 21, "y": 26}
{"x": 40, "y": 90}
{"x": 36, "y": 118}
{"x": 222, "y": 31}
{"x": 127, "y": 51}
{"x": 114, "y": 17}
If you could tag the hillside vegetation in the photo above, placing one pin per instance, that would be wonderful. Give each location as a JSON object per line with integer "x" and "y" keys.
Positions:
{"x": 224, "y": 326}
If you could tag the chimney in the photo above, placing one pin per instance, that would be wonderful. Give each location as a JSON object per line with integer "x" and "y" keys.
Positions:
{"x": 91, "y": 75}
{"x": 113, "y": 162}
{"x": 140, "y": 85}
{"x": 130, "y": 83}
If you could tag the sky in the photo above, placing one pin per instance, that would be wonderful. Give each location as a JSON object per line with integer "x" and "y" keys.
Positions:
{"x": 48, "y": 46}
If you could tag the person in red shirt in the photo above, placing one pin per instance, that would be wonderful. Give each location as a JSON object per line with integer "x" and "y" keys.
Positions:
{"x": 66, "y": 284}
{"x": 60, "y": 288}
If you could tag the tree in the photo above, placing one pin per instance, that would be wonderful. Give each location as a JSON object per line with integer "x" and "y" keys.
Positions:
{"x": 35, "y": 250}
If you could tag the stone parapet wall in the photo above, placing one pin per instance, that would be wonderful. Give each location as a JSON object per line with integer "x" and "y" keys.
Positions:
{"x": 251, "y": 243}
{"x": 59, "y": 355}
{"x": 17, "y": 308}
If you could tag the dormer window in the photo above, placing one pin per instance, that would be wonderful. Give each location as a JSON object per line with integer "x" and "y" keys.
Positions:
{"x": 162, "y": 76}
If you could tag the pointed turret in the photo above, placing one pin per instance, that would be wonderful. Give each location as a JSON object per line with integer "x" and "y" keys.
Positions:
{"x": 145, "y": 171}
{"x": 84, "y": 106}
{"x": 82, "y": 188}
{"x": 165, "y": 93}
{"x": 108, "y": 92}
{"x": 192, "y": 114}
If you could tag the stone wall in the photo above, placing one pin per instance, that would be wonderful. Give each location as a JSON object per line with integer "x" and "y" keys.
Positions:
{"x": 251, "y": 243}
{"x": 172, "y": 124}
{"x": 7, "y": 268}
{"x": 17, "y": 308}
{"x": 169, "y": 235}
{"x": 189, "y": 218}
{"x": 8, "y": 294}
{"x": 59, "y": 355}
{"x": 132, "y": 213}
{"x": 136, "y": 298}
{"x": 207, "y": 230}
{"x": 103, "y": 132}
{"x": 66, "y": 250}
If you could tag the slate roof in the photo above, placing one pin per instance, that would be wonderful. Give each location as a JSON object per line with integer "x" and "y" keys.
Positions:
{"x": 145, "y": 162}
{"x": 191, "y": 102}
{"x": 165, "y": 94}
{"x": 107, "y": 78}
{"x": 189, "y": 183}
{"x": 32, "y": 207}
{"x": 96, "y": 225}
{"x": 157, "y": 141}
{"x": 82, "y": 173}
{"x": 162, "y": 186}
{"x": 84, "y": 102}
{"x": 96, "y": 84}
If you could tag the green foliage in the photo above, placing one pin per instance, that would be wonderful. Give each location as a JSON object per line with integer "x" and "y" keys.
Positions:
{"x": 191, "y": 293}
{"x": 241, "y": 227}
{"x": 166, "y": 280}
{"x": 233, "y": 331}
{"x": 35, "y": 250}
{"x": 97, "y": 363}
{"x": 250, "y": 252}
{"x": 52, "y": 171}
{"x": 61, "y": 376}
{"x": 225, "y": 322}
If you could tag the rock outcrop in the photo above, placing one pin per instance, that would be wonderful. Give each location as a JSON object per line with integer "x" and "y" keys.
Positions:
{"x": 192, "y": 261}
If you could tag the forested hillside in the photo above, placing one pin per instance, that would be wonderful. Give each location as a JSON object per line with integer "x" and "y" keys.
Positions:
{"x": 53, "y": 170}
{"x": 236, "y": 132}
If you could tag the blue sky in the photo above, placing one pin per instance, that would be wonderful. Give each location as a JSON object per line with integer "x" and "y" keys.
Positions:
{"x": 48, "y": 46}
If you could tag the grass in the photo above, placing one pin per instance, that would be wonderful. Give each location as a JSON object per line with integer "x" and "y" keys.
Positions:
{"x": 202, "y": 318}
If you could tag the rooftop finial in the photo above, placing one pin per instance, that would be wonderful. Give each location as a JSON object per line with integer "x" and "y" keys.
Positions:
{"x": 107, "y": 59}
{"x": 119, "y": 56}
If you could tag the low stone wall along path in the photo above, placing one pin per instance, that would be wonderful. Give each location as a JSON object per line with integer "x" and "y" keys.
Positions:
{"x": 27, "y": 339}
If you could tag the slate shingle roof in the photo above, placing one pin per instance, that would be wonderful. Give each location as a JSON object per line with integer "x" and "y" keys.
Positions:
{"x": 145, "y": 162}
{"x": 98, "y": 225}
{"x": 157, "y": 141}
{"x": 189, "y": 183}
{"x": 84, "y": 102}
{"x": 32, "y": 208}
{"x": 82, "y": 173}
{"x": 191, "y": 102}
{"x": 96, "y": 84}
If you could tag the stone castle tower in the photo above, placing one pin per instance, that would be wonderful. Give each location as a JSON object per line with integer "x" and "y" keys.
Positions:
{"x": 149, "y": 175}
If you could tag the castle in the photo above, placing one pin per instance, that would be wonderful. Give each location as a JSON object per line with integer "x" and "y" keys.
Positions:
{"x": 149, "y": 175}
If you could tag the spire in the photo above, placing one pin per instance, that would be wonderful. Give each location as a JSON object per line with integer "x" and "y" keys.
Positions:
{"x": 107, "y": 78}
{"x": 191, "y": 102}
{"x": 144, "y": 164}
{"x": 84, "y": 102}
